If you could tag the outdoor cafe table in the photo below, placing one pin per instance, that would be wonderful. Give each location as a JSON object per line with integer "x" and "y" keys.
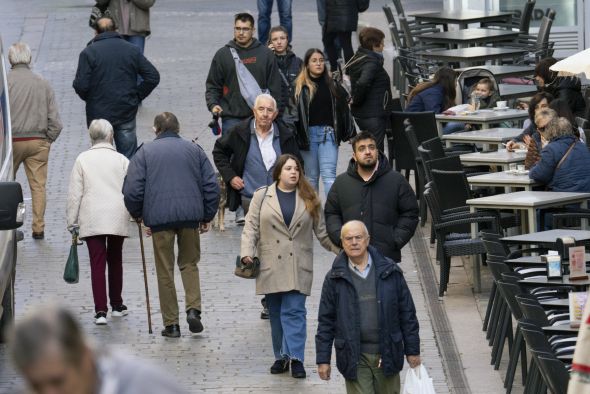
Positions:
{"x": 548, "y": 237}
{"x": 534, "y": 260}
{"x": 484, "y": 117}
{"x": 504, "y": 71}
{"x": 462, "y": 17}
{"x": 565, "y": 281}
{"x": 561, "y": 329}
{"x": 466, "y": 37}
{"x": 528, "y": 202}
{"x": 560, "y": 303}
{"x": 501, "y": 158}
{"x": 509, "y": 91}
{"x": 485, "y": 136}
{"x": 503, "y": 179}
{"x": 472, "y": 54}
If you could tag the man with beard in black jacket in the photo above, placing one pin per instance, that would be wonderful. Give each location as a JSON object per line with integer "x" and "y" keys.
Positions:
{"x": 106, "y": 80}
{"x": 370, "y": 191}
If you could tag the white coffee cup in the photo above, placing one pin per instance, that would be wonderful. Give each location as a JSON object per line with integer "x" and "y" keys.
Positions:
{"x": 501, "y": 104}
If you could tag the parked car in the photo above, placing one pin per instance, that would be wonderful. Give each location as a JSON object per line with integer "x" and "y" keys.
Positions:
{"x": 12, "y": 208}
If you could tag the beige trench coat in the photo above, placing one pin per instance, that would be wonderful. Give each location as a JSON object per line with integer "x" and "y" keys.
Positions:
{"x": 286, "y": 254}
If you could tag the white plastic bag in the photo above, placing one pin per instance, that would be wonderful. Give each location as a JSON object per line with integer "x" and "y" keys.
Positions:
{"x": 418, "y": 382}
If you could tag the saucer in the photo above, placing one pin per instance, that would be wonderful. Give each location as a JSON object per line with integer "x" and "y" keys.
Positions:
{"x": 500, "y": 108}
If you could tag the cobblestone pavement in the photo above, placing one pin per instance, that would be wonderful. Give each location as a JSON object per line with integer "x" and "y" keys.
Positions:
{"x": 234, "y": 353}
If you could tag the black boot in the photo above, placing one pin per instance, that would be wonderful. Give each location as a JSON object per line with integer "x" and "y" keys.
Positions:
{"x": 193, "y": 318}
{"x": 171, "y": 331}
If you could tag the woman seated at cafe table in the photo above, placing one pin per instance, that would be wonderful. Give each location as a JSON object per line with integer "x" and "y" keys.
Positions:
{"x": 437, "y": 95}
{"x": 538, "y": 102}
{"x": 565, "y": 160}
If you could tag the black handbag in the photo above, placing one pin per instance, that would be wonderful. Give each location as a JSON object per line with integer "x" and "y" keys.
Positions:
{"x": 247, "y": 271}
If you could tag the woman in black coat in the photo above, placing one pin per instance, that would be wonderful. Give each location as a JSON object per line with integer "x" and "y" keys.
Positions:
{"x": 371, "y": 86}
{"x": 341, "y": 20}
{"x": 564, "y": 88}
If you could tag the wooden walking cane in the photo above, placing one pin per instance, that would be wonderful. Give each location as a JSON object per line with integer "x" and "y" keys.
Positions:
{"x": 147, "y": 293}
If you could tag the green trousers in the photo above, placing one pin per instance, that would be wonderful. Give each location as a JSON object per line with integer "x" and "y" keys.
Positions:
{"x": 189, "y": 254}
{"x": 370, "y": 378}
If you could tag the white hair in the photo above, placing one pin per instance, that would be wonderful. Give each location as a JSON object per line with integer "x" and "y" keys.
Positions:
{"x": 19, "y": 53}
{"x": 266, "y": 96}
{"x": 351, "y": 223}
{"x": 100, "y": 130}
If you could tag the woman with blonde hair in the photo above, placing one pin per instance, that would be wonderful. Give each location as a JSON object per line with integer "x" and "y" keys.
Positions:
{"x": 322, "y": 121}
{"x": 279, "y": 230}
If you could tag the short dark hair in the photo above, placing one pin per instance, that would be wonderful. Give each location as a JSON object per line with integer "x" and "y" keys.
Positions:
{"x": 275, "y": 29}
{"x": 370, "y": 37}
{"x": 166, "y": 121}
{"x": 105, "y": 24}
{"x": 363, "y": 135}
{"x": 244, "y": 17}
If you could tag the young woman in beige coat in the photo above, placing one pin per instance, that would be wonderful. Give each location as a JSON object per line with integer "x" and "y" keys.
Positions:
{"x": 279, "y": 230}
{"x": 95, "y": 206}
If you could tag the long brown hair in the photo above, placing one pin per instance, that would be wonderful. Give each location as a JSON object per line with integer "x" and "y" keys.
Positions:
{"x": 304, "y": 77}
{"x": 306, "y": 191}
{"x": 446, "y": 77}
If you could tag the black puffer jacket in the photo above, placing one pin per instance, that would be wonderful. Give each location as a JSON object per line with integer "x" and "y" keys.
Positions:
{"x": 106, "y": 78}
{"x": 339, "y": 318}
{"x": 289, "y": 67}
{"x": 385, "y": 203}
{"x": 371, "y": 86}
{"x": 341, "y": 16}
{"x": 569, "y": 89}
{"x": 343, "y": 122}
{"x": 230, "y": 151}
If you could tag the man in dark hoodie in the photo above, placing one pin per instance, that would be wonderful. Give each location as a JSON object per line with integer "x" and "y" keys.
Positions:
{"x": 222, "y": 93}
{"x": 370, "y": 191}
{"x": 106, "y": 80}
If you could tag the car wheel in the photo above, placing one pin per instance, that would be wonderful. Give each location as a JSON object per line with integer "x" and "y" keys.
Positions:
{"x": 8, "y": 305}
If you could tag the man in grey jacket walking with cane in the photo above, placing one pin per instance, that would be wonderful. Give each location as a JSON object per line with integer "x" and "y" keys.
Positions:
{"x": 172, "y": 186}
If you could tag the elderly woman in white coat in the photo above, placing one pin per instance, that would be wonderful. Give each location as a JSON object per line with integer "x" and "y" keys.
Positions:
{"x": 95, "y": 206}
{"x": 279, "y": 230}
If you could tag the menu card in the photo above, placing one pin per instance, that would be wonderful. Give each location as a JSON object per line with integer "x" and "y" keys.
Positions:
{"x": 577, "y": 302}
{"x": 577, "y": 257}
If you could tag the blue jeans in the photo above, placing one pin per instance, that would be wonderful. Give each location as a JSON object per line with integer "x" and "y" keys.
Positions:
{"x": 264, "y": 11}
{"x": 288, "y": 324}
{"x": 228, "y": 123}
{"x": 125, "y": 138}
{"x": 138, "y": 41}
{"x": 453, "y": 127}
{"x": 322, "y": 157}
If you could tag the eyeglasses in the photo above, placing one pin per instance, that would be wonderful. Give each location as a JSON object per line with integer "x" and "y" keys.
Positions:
{"x": 357, "y": 238}
{"x": 243, "y": 29}
{"x": 541, "y": 129}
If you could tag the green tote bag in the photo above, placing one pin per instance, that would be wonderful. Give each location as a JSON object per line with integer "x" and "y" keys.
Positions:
{"x": 72, "y": 270}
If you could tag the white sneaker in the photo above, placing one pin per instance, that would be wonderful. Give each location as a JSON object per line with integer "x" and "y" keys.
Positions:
{"x": 100, "y": 319}
{"x": 119, "y": 311}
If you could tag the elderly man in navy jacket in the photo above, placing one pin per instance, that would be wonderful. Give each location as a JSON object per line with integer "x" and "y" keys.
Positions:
{"x": 172, "y": 186}
{"x": 367, "y": 311}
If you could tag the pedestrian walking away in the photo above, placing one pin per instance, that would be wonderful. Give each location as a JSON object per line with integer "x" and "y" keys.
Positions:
{"x": 264, "y": 17}
{"x": 341, "y": 19}
{"x": 95, "y": 206}
{"x": 53, "y": 355}
{"x": 132, "y": 18}
{"x": 106, "y": 79}
{"x": 279, "y": 231}
{"x": 172, "y": 186}
{"x": 246, "y": 156}
{"x": 367, "y": 312}
{"x": 36, "y": 124}
{"x": 370, "y": 191}
{"x": 322, "y": 119}
{"x": 371, "y": 86}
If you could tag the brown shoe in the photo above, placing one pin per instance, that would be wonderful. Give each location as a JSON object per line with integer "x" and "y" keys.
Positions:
{"x": 40, "y": 235}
